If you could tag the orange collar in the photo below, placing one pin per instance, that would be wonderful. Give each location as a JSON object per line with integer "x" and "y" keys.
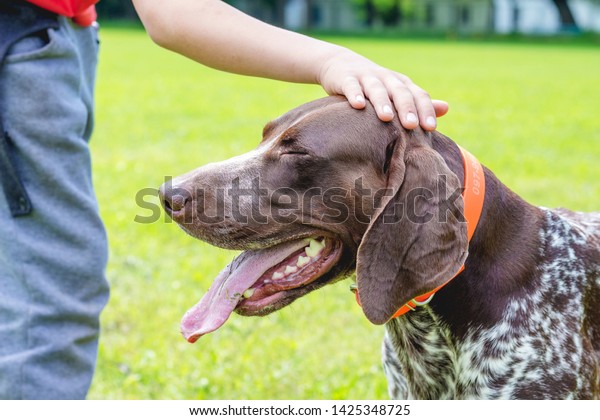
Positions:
{"x": 473, "y": 197}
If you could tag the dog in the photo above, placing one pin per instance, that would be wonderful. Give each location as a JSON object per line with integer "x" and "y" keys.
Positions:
{"x": 331, "y": 191}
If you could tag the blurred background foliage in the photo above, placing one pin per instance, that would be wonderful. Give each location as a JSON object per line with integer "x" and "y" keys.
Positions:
{"x": 533, "y": 17}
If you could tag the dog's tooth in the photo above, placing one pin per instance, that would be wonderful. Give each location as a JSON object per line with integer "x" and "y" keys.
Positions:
{"x": 317, "y": 244}
{"x": 277, "y": 276}
{"x": 314, "y": 248}
{"x": 248, "y": 293}
{"x": 290, "y": 269}
{"x": 310, "y": 251}
{"x": 302, "y": 261}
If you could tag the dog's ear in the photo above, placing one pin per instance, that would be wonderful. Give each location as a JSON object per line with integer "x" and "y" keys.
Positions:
{"x": 417, "y": 239}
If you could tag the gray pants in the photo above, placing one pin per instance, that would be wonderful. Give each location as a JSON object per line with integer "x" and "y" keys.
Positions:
{"x": 52, "y": 260}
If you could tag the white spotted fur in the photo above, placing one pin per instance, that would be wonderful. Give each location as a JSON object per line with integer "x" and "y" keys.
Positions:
{"x": 539, "y": 349}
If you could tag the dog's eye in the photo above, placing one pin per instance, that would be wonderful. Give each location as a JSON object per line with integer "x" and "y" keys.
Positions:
{"x": 293, "y": 153}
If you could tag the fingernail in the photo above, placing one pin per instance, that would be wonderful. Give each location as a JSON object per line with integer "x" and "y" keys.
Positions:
{"x": 411, "y": 118}
{"x": 431, "y": 122}
{"x": 360, "y": 98}
{"x": 387, "y": 110}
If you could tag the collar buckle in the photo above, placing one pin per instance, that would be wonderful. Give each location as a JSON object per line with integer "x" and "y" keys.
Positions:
{"x": 421, "y": 303}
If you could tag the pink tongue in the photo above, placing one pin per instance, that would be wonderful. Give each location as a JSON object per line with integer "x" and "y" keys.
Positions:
{"x": 226, "y": 290}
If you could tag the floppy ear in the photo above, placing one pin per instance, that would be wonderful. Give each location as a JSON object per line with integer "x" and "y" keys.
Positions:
{"x": 418, "y": 239}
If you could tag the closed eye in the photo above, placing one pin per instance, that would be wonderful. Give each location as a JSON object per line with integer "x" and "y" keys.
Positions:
{"x": 294, "y": 152}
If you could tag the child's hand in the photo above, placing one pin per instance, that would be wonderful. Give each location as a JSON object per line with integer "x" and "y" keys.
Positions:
{"x": 355, "y": 77}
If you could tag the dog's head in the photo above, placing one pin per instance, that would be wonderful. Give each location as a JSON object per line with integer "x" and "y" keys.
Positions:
{"x": 329, "y": 190}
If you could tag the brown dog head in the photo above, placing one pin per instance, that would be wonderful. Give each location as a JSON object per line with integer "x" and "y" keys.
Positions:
{"x": 364, "y": 194}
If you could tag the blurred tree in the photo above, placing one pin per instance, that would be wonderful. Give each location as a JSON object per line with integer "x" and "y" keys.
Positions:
{"x": 370, "y": 12}
{"x": 393, "y": 15}
{"x": 278, "y": 10}
{"x": 116, "y": 9}
{"x": 309, "y": 14}
{"x": 275, "y": 10}
{"x": 389, "y": 12}
{"x": 567, "y": 21}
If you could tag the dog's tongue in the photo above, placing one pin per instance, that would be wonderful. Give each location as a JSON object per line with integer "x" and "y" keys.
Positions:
{"x": 227, "y": 289}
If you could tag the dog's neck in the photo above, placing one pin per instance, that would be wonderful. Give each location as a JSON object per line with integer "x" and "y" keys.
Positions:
{"x": 503, "y": 252}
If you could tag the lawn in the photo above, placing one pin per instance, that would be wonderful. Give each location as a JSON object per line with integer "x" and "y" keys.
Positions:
{"x": 529, "y": 111}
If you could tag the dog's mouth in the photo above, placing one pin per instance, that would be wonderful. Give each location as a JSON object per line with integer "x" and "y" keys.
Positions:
{"x": 258, "y": 282}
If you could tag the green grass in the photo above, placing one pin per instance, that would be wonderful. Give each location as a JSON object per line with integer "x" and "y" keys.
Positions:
{"x": 528, "y": 111}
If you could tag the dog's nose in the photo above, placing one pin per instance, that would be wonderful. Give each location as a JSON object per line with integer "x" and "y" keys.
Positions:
{"x": 174, "y": 200}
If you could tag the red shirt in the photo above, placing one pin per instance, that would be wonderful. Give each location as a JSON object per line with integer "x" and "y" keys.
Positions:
{"x": 82, "y": 12}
